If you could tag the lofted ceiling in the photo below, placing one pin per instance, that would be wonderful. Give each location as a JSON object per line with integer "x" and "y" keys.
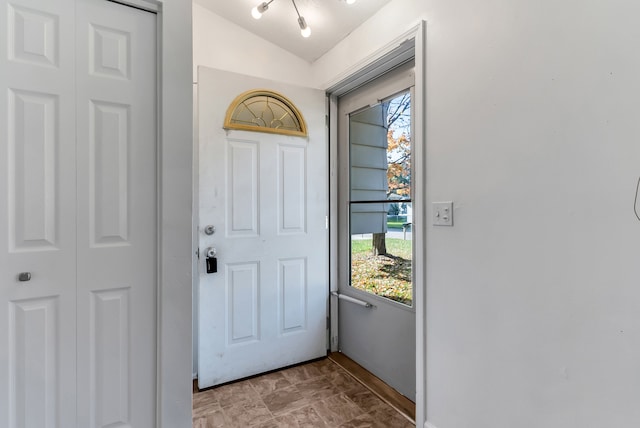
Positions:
{"x": 330, "y": 21}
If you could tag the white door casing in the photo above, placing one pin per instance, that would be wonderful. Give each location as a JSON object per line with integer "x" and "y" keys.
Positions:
{"x": 266, "y": 195}
{"x": 78, "y": 212}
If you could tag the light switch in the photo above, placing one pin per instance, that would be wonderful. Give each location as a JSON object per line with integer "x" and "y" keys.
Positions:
{"x": 443, "y": 213}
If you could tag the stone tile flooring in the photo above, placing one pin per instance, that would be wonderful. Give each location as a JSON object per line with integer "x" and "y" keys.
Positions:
{"x": 318, "y": 394}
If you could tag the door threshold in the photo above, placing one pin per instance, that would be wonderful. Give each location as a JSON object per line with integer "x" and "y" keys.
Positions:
{"x": 376, "y": 385}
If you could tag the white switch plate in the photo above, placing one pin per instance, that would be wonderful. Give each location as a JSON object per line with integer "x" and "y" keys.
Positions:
{"x": 443, "y": 213}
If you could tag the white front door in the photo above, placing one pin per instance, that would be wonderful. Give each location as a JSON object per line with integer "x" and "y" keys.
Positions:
{"x": 266, "y": 196}
{"x": 77, "y": 215}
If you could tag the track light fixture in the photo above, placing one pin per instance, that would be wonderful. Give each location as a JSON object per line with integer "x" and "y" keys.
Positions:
{"x": 257, "y": 11}
{"x": 305, "y": 30}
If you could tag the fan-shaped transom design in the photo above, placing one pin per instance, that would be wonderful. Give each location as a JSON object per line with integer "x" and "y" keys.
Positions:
{"x": 262, "y": 110}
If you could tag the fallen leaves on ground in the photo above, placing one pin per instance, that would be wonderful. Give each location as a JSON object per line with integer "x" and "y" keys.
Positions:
{"x": 386, "y": 276}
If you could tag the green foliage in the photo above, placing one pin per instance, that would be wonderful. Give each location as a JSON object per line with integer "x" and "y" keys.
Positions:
{"x": 395, "y": 224}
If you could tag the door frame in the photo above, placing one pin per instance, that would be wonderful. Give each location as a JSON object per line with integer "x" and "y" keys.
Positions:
{"x": 409, "y": 45}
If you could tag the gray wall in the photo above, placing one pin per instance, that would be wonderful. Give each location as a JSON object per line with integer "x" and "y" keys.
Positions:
{"x": 174, "y": 362}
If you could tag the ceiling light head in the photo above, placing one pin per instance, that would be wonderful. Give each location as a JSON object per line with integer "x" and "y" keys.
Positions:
{"x": 305, "y": 30}
{"x": 350, "y": 1}
{"x": 257, "y": 11}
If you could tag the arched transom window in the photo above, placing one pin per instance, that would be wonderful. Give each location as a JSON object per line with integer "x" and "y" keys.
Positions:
{"x": 262, "y": 110}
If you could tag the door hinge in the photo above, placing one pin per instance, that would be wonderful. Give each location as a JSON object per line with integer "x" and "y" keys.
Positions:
{"x": 328, "y": 323}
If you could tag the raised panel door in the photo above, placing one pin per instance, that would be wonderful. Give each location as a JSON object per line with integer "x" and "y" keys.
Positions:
{"x": 117, "y": 205}
{"x": 266, "y": 194}
{"x": 37, "y": 214}
{"x": 77, "y": 215}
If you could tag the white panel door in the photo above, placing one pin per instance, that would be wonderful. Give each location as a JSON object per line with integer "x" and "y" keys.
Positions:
{"x": 37, "y": 214}
{"x": 77, "y": 212}
{"x": 117, "y": 228}
{"x": 266, "y": 195}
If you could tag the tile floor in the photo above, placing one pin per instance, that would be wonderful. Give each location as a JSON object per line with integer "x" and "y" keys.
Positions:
{"x": 317, "y": 394}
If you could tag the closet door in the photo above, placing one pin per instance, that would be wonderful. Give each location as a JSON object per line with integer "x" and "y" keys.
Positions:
{"x": 78, "y": 229}
{"x": 117, "y": 228}
{"x": 37, "y": 214}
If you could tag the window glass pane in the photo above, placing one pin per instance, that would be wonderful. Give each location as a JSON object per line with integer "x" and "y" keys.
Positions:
{"x": 267, "y": 112}
{"x": 389, "y": 274}
{"x": 380, "y": 214}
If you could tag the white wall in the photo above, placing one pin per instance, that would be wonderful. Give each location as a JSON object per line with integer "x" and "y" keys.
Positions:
{"x": 533, "y": 298}
{"x": 396, "y": 18}
{"x": 221, "y": 44}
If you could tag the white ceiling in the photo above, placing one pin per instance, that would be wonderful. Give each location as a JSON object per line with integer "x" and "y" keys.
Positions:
{"x": 330, "y": 21}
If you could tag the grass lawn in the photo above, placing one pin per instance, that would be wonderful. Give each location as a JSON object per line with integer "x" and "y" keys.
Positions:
{"x": 395, "y": 224}
{"x": 387, "y": 276}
